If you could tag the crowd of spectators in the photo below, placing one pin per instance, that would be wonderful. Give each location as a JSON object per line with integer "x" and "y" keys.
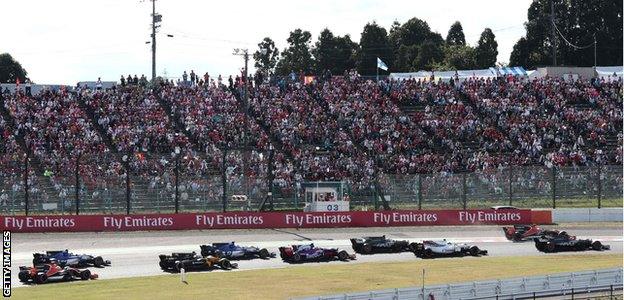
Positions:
{"x": 335, "y": 128}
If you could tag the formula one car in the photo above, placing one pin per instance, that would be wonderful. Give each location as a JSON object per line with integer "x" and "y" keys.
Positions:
{"x": 443, "y": 248}
{"x": 303, "y": 253}
{"x": 565, "y": 242}
{"x": 519, "y": 233}
{"x": 66, "y": 258}
{"x": 51, "y": 271}
{"x": 380, "y": 244}
{"x": 191, "y": 261}
{"x": 233, "y": 251}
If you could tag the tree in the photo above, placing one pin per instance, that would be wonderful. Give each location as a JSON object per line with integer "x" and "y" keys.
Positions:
{"x": 458, "y": 57}
{"x": 455, "y": 35}
{"x": 265, "y": 62}
{"x": 577, "y": 21}
{"x": 297, "y": 56}
{"x": 406, "y": 41}
{"x": 373, "y": 44}
{"x": 11, "y": 70}
{"x": 487, "y": 50}
{"x": 429, "y": 55}
{"x": 334, "y": 53}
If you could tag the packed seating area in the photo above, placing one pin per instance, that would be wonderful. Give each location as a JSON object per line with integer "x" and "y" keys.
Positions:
{"x": 340, "y": 128}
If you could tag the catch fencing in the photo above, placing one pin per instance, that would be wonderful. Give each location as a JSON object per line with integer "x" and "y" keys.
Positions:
{"x": 605, "y": 283}
{"x": 181, "y": 183}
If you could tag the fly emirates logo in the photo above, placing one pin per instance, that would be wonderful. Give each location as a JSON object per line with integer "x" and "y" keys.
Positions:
{"x": 39, "y": 222}
{"x": 137, "y": 222}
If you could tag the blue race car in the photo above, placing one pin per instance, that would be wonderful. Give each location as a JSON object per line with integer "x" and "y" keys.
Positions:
{"x": 65, "y": 258}
{"x": 232, "y": 251}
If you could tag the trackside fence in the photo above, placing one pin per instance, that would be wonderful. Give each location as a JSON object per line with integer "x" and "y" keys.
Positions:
{"x": 597, "y": 284}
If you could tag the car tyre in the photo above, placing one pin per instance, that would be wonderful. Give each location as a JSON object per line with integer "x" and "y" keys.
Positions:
{"x": 98, "y": 262}
{"x": 296, "y": 257}
{"x": 179, "y": 266}
{"x": 474, "y": 251}
{"x": 597, "y": 245}
{"x": 225, "y": 264}
{"x": 85, "y": 275}
{"x": 343, "y": 255}
{"x": 428, "y": 253}
{"x": 367, "y": 248}
{"x": 41, "y": 278}
{"x": 263, "y": 253}
{"x": 23, "y": 276}
{"x": 550, "y": 247}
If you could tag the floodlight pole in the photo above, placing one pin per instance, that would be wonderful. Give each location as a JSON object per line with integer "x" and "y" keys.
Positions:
{"x": 553, "y": 33}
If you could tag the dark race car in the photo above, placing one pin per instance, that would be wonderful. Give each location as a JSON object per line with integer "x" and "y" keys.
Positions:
{"x": 565, "y": 242}
{"x": 308, "y": 252}
{"x": 444, "y": 248}
{"x": 519, "y": 233}
{"x": 381, "y": 244}
{"x": 233, "y": 251}
{"x": 66, "y": 258}
{"x": 193, "y": 262}
{"x": 44, "y": 273}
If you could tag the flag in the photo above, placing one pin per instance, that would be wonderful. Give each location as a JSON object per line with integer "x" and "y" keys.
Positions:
{"x": 381, "y": 64}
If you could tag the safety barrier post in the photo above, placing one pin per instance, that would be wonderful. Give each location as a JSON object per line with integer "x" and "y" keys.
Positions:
{"x": 419, "y": 192}
{"x": 26, "y": 183}
{"x": 599, "y": 186}
{"x": 554, "y": 187}
{"x": 464, "y": 189}
{"x": 510, "y": 184}
{"x": 224, "y": 180}
{"x": 77, "y": 185}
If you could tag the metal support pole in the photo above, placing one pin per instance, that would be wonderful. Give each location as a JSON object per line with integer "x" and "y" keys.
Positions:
{"x": 553, "y": 34}
{"x": 599, "y": 186}
{"x": 271, "y": 176}
{"x": 26, "y": 183}
{"x": 153, "y": 40}
{"x": 127, "y": 188}
{"x": 224, "y": 180}
{"x": 419, "y": 192}
{"x": 464, "y": 189}
{"x": 554, "y": 187}
{"x": 77, "y": 196}
{"x": 510, "y": 184}
{"x": 177, "y": 173}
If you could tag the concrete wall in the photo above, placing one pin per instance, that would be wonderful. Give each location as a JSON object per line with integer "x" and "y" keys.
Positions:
{"x": 562, "y": 215}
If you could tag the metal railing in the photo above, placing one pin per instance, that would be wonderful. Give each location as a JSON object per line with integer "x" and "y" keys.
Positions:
{"x": 605, "y": 283}
{"x": 170, "y": 187}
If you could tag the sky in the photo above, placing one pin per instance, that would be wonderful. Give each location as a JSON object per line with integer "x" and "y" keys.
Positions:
{"x": 66, "y": 41}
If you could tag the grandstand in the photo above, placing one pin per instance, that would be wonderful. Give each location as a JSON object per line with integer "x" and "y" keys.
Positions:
{"x": 416, "y": 142}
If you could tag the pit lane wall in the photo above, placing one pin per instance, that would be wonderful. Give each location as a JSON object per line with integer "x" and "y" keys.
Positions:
{"x": 258, "y": 220}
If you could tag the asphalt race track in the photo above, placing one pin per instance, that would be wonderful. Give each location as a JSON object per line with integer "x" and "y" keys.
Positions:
{"x": 136, "y": 253}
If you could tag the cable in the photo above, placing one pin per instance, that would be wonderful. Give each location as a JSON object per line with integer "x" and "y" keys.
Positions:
{"x": 569, "y": 43}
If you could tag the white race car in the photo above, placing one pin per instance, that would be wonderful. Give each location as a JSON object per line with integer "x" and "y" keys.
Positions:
{"x": 444, "y": 248}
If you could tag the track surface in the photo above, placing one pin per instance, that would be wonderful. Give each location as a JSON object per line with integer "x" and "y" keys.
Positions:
{"x": 136, "y": 253}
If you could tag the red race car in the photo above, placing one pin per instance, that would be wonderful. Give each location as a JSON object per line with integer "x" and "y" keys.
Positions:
{"x": 519, "y": 233}
{"x": 45, "y": 273}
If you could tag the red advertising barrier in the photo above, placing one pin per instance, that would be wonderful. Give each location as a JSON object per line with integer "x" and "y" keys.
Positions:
{"x": 249, "y": 220}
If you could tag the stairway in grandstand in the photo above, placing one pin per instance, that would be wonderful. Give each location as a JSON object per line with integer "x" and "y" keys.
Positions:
{"x": 34, "y": 162}
{"x": 178, "y": 126}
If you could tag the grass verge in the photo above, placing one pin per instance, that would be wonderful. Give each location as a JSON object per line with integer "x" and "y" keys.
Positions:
{"x": 319, "y": 279}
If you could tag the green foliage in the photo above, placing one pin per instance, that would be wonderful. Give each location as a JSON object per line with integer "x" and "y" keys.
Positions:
{"x": 458, "y": 57}
{"x": 11, "y": 70}
{"x": 334, "y": 53}
{"x": 486, "y": 50}
{"x": 297, "y": 56}
{"x": 455, "y": 36}
{"x": 373, "y": 43}
{"x": 578, "y": 21}
{"x": 265, "y": 62}
{"x": 408, "y": 39}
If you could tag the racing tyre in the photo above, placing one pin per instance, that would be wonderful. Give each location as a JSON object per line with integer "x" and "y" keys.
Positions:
{"x": 296, "y": 257}
{"x": 413, "y": 247}
{"x": 41, "y": 278}
{"x": 23, "y": 276}
{"x": 98, "y": 262}
{"x": 367, "y": 249}
{"x": 550, "y": 247}
{"x": 85, "y": 275}
{"x": 428, "y": 253}
{"x": 597, "y": 245}
{"x": 225, "y": 264}
{"x": 474, "y": 251}
{"x": 343, "y": 255}
{"x": 263, "y": 253}
{"x": 179, "y": 266}
{"x": 162, "y": 265}
{"x": 397, "y": 248}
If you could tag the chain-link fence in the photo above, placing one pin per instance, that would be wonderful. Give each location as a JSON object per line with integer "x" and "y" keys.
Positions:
{"x": 168, "y": 183}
